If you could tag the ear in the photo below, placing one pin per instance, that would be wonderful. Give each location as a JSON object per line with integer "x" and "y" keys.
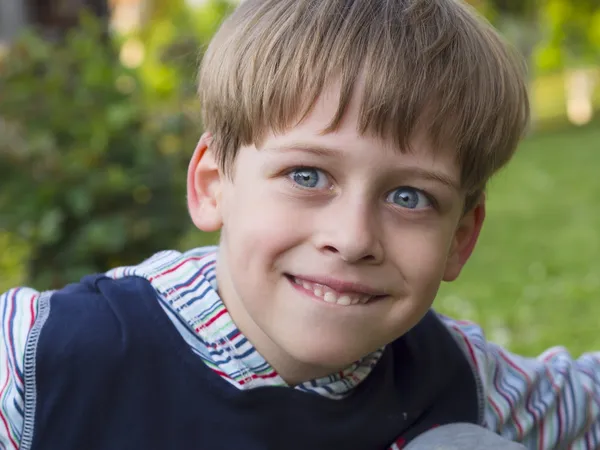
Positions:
{"x": 465, "y": 238}
{"x": 204, "y": 187}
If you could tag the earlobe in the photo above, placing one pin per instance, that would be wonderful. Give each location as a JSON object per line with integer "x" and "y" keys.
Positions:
{"x": 465, "y": 239}
{"x": 204, "y": 187}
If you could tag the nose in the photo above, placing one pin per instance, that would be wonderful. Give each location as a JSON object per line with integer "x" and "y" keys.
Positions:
{"x": 351, "y": 231}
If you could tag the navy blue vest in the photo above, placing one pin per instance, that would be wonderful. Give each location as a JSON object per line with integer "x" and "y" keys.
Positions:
{"x": 106, "y": 369}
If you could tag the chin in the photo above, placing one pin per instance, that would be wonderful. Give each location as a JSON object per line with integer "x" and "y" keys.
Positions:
{"x": 330, "y": 355}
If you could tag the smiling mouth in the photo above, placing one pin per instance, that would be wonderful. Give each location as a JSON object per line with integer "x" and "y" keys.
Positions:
{"x": 330, "y": 295}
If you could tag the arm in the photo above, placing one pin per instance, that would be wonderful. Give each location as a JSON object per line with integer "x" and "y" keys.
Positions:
{"x": 18, "y": 309}
{"x": 548, "y": 402}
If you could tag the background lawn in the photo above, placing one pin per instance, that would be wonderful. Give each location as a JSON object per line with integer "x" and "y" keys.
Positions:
{"x": 534, "y": 280}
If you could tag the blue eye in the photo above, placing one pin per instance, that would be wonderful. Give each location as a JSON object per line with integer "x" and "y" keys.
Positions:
{"x": 309, "y": 178}
{"x": 409, "y": 198}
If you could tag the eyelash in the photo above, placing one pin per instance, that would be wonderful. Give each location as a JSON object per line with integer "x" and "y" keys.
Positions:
{"x": 288, "y": 174}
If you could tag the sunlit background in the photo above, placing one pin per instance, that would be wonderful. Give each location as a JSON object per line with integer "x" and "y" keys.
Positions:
{"x": 98, "y": 118}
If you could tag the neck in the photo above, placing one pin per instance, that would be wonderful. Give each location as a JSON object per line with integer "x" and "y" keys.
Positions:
{"x": 292, "y": 371}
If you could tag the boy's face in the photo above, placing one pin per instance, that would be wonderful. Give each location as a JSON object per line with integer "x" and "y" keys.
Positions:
{"x": 332, "y": 245}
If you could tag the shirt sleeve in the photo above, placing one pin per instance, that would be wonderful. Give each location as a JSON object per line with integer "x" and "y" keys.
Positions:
{"x": 18, "y": 310}
{"x": 548, "y": 402}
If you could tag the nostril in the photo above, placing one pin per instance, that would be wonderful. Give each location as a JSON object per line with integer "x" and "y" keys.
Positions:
{"x": 352, "y": 252}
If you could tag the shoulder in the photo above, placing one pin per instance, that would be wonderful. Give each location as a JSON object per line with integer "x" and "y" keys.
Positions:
{"x": 486, "y": 358}
{"x": 434, "y": 345}
{"x": 87, "y": 321}
{"x": 97, "y": 322}
{"x": 470, "y": 338}
{"x": 443, "y": 333}
{"x": 118, "y": 307}
{"x": 93, "y": 309}
{"x": 447, "y": 386}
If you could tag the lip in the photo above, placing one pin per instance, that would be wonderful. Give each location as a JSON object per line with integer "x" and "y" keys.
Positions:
{"x": 341, "y": 286}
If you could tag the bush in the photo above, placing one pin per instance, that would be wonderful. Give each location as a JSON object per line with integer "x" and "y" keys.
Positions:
{"x": 93, "y": 174}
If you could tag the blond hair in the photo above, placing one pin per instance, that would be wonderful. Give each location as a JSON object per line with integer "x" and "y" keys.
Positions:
{"x": 421, "y": 63}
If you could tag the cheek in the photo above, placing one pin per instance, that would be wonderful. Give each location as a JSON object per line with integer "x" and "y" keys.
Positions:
{"x": 422, "y": 258}
{"x": 256, "y": 222}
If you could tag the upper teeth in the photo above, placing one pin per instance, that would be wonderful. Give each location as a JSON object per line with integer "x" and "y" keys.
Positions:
{"x": 332, "y": 296}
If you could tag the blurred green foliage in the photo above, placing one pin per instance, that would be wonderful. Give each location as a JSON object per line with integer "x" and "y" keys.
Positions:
{"x": 553, "y": 34}
{"x": 570, "y": 36}
{"x": 174, "y": 37}
{"x": 92, "y": 169}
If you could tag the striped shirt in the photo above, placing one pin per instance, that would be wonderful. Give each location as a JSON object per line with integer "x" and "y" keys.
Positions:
{"x": 548, "y": 402}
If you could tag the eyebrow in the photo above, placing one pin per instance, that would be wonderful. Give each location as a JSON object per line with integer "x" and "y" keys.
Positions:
{"x": 332, "y": 152}
{"x": 317, "y": 150}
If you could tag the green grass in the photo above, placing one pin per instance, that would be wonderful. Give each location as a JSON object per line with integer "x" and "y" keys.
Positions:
{"x": 534, "y": 279}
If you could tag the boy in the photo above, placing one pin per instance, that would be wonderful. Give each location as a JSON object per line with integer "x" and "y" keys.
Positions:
{"x": 347, "y": 149}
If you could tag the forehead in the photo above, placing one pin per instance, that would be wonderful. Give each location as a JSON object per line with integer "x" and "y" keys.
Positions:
{"x": 348, "y": 141}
